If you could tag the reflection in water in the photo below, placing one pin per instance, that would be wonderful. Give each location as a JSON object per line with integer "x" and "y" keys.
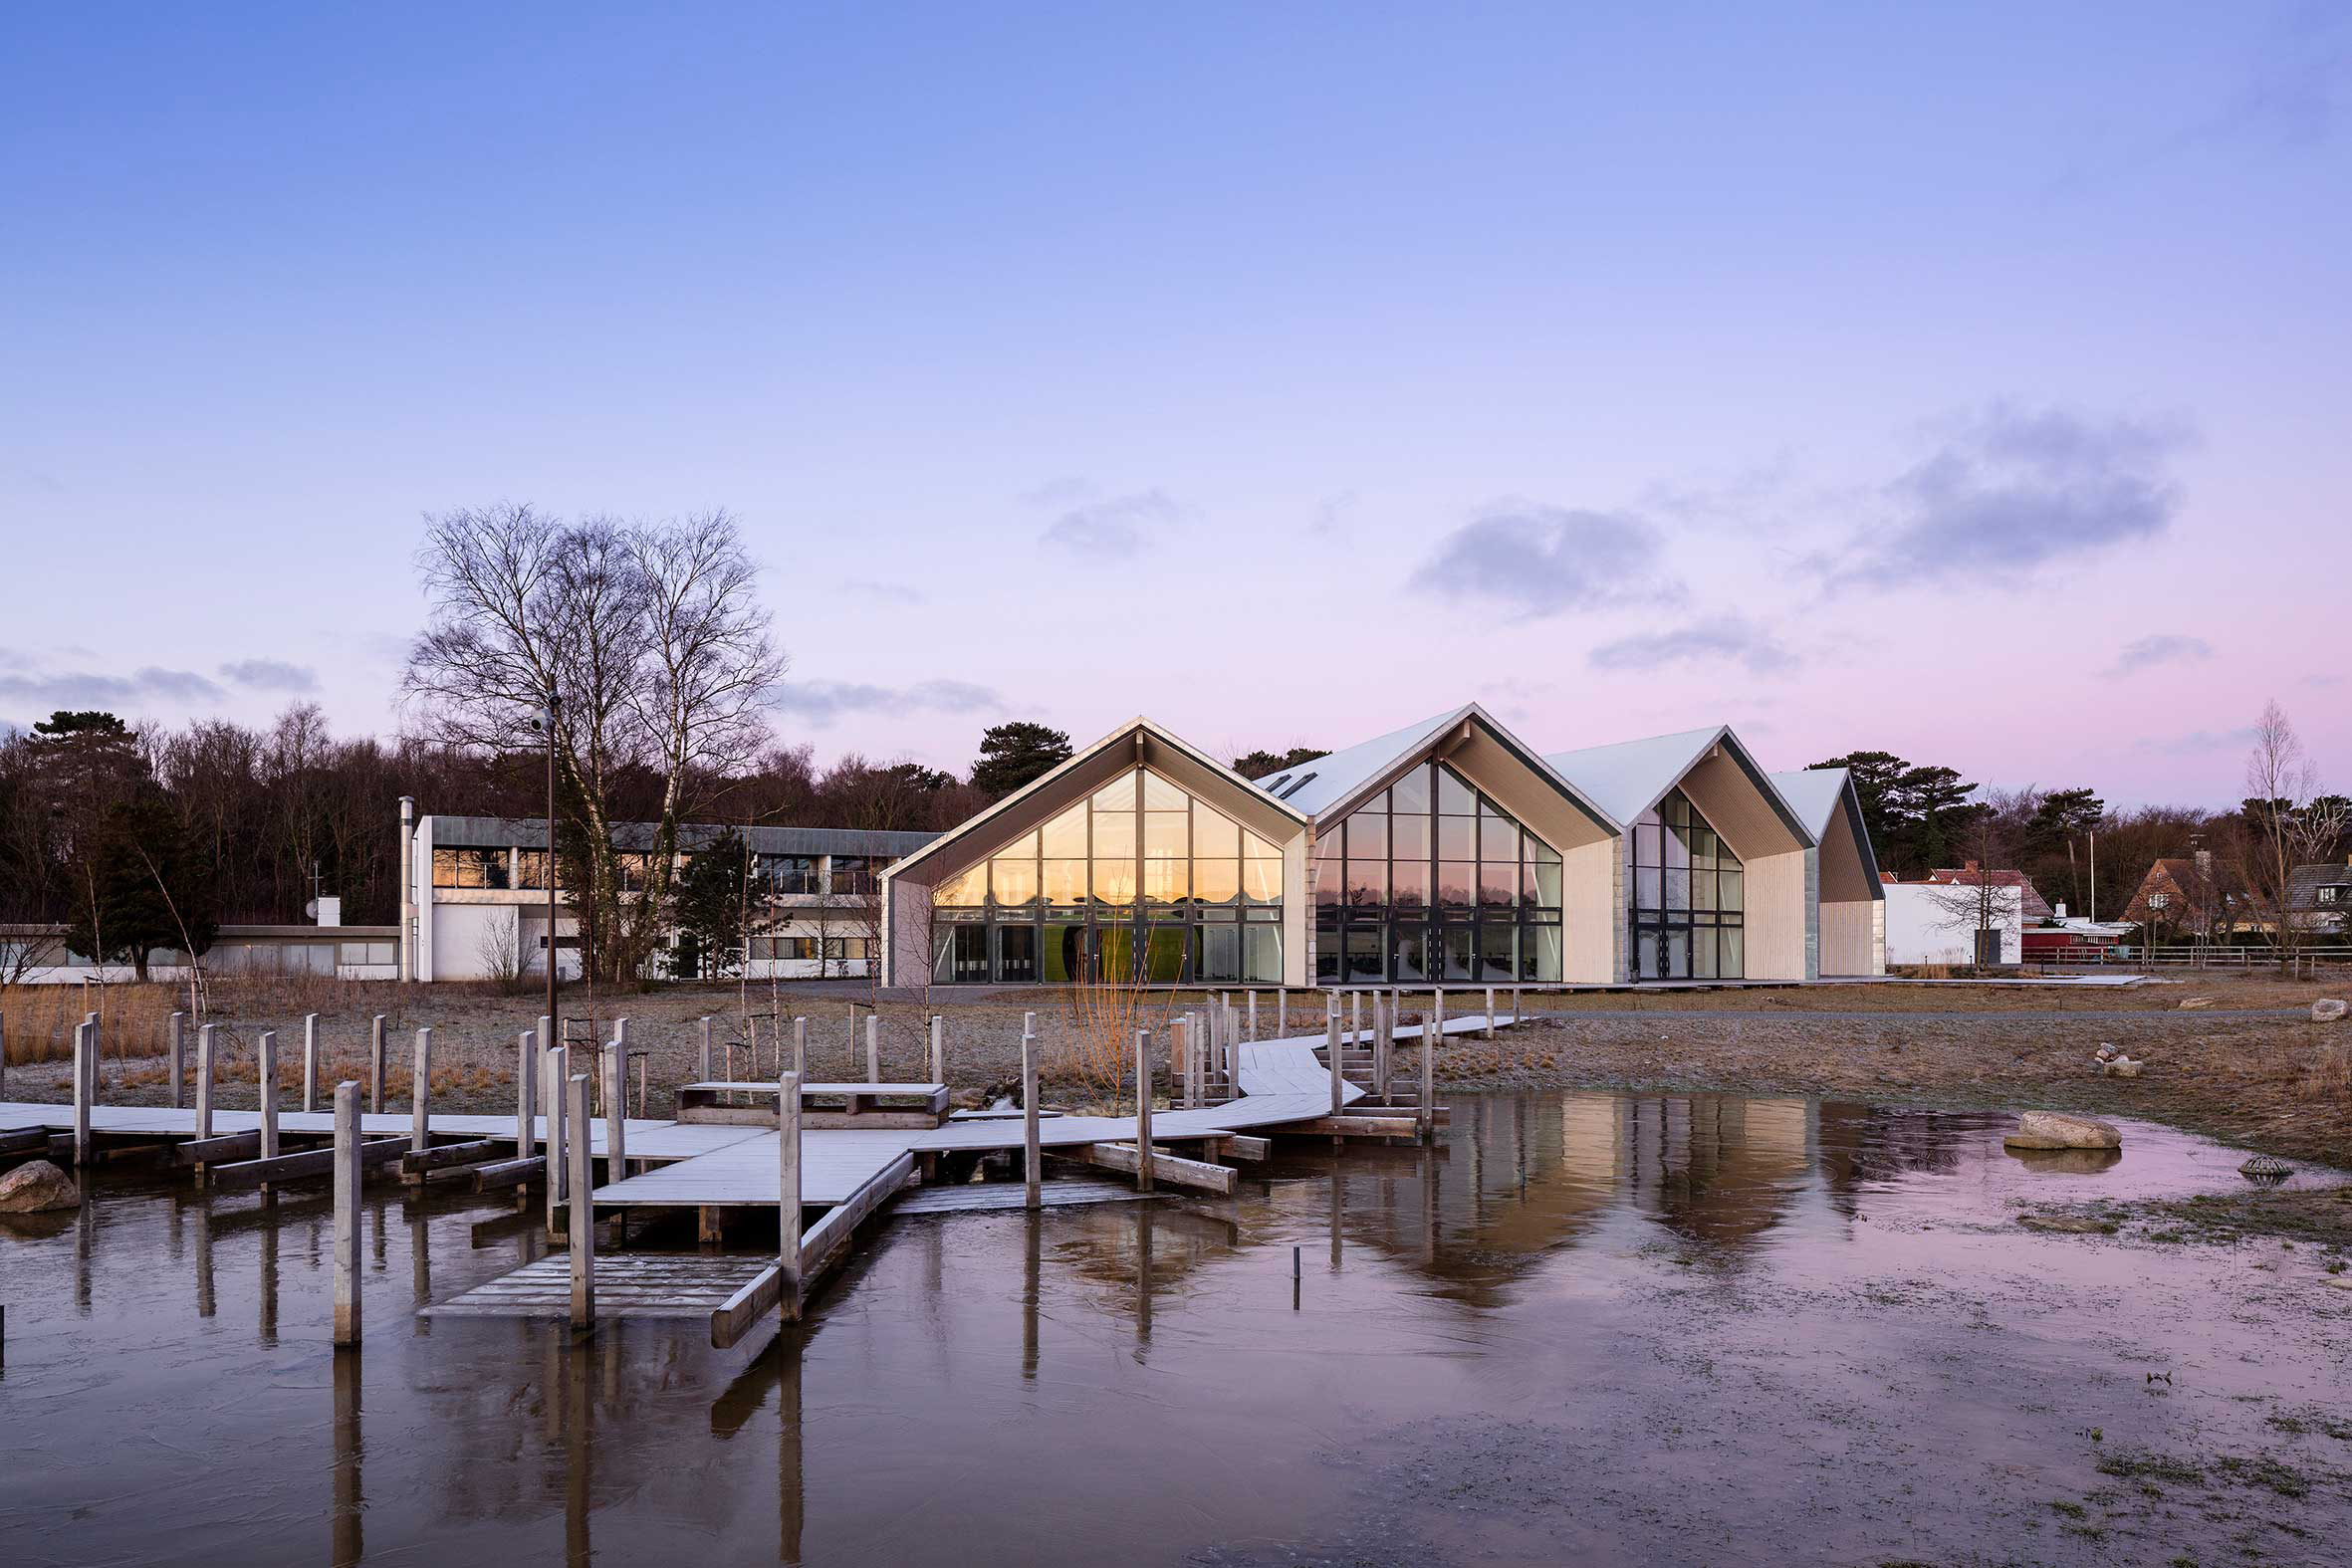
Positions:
{"x": 1504, "y": 1273}
{"x": 345, "y": 1517}
{"x": 2067, "y": 1161}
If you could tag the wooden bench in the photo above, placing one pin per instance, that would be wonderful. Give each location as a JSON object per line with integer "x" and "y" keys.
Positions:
{"x": 822, "y": 1105}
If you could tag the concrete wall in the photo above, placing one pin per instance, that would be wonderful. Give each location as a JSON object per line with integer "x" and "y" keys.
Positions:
{"x": 1921, "y": 930}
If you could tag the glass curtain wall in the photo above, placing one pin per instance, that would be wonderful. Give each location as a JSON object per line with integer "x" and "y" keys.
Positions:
{"x": 1430, "y": 881}
{"x": 1140, "y": 881}
{"x": 1690, "y": 897}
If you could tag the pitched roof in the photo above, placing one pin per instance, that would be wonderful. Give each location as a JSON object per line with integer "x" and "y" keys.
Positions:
{"x": 2305, "y": 882}
{"x": 1812, "y": 793}
{"x": 2031, "y": 903}
{"x": 1627, "y": 778}
{"x": 1322, "y": 781}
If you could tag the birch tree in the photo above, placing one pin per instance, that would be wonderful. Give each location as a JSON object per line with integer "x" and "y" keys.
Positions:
{"x": 647, "y": 645}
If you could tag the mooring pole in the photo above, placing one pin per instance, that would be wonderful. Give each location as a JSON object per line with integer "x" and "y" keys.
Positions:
{"x": 265, "y": 1053}
{"x": 800, "y": 1048}
{"x": 1143, "y": 1110}
{"x": 873, "y": 1048}
{"x": 310, "y": 1063}
{"x": 179, "y": 1059}
{"x": 706, "y": 1048}
{"x": 938, "y": 1049}
{"x": 584, "y": 1214}
{"x": 82, "y": 1052}
{"x": 346, "y": 1216}
{"x": 555, "y": 1068}
{"x": 205, "y": 1047}
{"x": 1380, "y": 1024}
{"x": 1281, "y": 1013}
{"x": 616, "y": 1104}
{"x": 1253, "y": 1017}
{"x": 1029, "y": 1109}
{"x": 1429, "y": 1034}
{"x": 525, "y": 1112}
{"x": 788, "y": 1191}
{"x": 375, "y": 1064}
{"x": 1490, "y": 1029}
{"x": 421, "y": 1094}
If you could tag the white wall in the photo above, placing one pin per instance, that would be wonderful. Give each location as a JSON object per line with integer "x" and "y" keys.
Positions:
{"x": 1920, "y": 930}
{"x": 462, "y": 935}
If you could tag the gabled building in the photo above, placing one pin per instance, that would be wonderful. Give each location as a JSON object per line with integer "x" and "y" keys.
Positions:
{"x": 1448, "y": 851}
{"x": 2188, "y": 896}
{"x": 2319, "y": 897}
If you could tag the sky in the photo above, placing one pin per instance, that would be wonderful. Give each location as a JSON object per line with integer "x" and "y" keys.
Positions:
{"x": 1966, "y": 382}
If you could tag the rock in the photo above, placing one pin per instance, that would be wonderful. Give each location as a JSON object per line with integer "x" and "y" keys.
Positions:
{"x": 2072, "y": 1225}
{"x": 2327, "y": 1010}
{"x": 37, "y": 1187}
{"x": 2122, "y": 1067}
{"x": 2191, "y": 1004}
{"x": 2340, "y": 1281}
{"x": 2105, "y": 1052}
{"x": 2051, "y": 1130}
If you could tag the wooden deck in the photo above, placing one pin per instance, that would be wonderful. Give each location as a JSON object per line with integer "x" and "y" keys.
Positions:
{"x": 628, "y": 1284}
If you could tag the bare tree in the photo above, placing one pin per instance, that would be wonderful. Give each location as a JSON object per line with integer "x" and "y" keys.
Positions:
{"x": 645, "y": 642}
{"x": 1978, "y": 905}
{"x": 2290, "y": 824}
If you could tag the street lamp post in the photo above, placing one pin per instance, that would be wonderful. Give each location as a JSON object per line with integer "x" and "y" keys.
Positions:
{"x": 547, "y": 721}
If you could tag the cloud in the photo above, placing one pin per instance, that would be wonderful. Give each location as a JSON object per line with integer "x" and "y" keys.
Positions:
{"x": 1730, "y": 641}
{"x": 887, "y": 593}
{"x": 1118, "y": 527}
{"x": 1331, "y": 514}
{"x": 2198, "y": 741}
{"x": 2162, "y": 648}
{"x": 1537, "y": 560}
{"x": 271, "y": 675}
{"x": 2008, "y": 491}
{"x": 41, "y": 694}
{"x": 820, "y": 703}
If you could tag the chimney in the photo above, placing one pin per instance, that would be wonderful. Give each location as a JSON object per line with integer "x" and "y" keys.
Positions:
{"x": 1968, "y": 865}
{"x": 2062, "y": 909}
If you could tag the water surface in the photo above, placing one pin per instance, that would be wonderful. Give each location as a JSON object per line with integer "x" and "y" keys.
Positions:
{"x": 1586, "y": 1327}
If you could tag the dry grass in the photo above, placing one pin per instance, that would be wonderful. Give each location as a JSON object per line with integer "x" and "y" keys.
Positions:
{"x": 2330, "y": 1077}
{"x": 40, "y": 1019}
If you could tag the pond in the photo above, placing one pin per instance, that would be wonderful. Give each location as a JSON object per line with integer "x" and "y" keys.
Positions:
{"x": 1584, "y": 1327}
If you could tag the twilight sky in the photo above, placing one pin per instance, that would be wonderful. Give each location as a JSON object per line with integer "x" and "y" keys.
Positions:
{"x": 1969, "y": 383}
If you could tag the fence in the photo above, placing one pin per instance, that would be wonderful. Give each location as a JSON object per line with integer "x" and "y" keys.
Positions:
{"x": 2306, "y": 962}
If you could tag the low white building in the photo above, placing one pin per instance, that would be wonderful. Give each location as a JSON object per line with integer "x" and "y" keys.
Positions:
{"x": 1937, "y": 923}
{"x": 476, "y": 903}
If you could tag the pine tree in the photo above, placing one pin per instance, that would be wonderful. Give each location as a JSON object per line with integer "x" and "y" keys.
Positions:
{"x": 1014, "y": 752}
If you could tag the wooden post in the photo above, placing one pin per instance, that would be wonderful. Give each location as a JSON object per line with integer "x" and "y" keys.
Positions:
{"x": 179, "y": 1059}
{"x": 1429, "y": 1034}
{"x": 787, "y": 1189}
{"x": 1253, "y": 1017}
{"x": 83, "y": 1048}
{"x": 706, "y": 1048}
{"x": 1490, "y": 1029}
{"x": 1143, "y": 1110}
{"x": 421, "y": 1094}
{"x": 1381, "y": 1021}
{"x": 1355, "y": 1018}
{"x": 347, "y": 1215}
{"x": 584, "y": 1214}
{"x": 526, "y": 1111}
{"x": 310, "y": 1063}
{"x": 938, "y": 1049}
{"x": 555, "y": 1069}
{"x": 96, "y": 1051}
{"x": 1180, "y": 1049}
{"x": 1517, "y": 1008}
{"x": 1029, "y": 1175}
{"x": 616, "y": 1105}
{"x": 1332, "y": 1039}
{"x": 375, "y": 1064}
{"x": 800, "y": 1048}
{"x": 1281, "y": 1013}
{"x": 265, "y": 1053}
{"x": 204, "y": 1061}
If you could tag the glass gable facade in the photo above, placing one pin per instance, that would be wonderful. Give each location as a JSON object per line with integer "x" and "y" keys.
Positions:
{"x": 1140, "y": 881}
{"x": 1430, "y": 881}
{"x": 1690, "y": 899}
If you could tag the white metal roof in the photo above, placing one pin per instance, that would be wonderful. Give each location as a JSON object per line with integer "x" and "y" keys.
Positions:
{"x": 1812, "y": 793}
{"x": 1626, "y": 779}
{"x": 1313, "y": 786}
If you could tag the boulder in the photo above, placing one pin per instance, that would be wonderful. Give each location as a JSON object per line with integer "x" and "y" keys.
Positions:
{"x": 2192, "y": 1002}
{"x": 2051, "y": 1130}
{"x": 2327, "y": 1010}
{"x": 37, "y": 1187}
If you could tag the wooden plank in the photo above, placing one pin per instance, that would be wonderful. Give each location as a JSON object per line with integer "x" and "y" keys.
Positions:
{"x": 228, "y": 1145}
{"x": 434, "y": 1158}
{"x": 308, "y": 1163}
{"x": 505, "y": 1173}
{"x": 1356, "y": 1127}
{"x": 827, "y": 1236}
{"x": 1169, "y": 1168}
{"x": 734, "y": 1317}
{"x": 24, "y": 1140}
{"x": 1241, "y": 1146}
